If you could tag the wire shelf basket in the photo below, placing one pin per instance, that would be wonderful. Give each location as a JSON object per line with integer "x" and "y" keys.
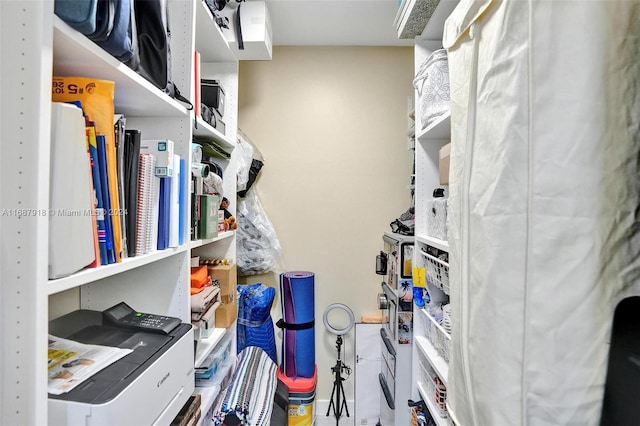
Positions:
{"x": 436, "y": 335}
{"x": 437, "y": 271}
{"x": 434, "y": 388}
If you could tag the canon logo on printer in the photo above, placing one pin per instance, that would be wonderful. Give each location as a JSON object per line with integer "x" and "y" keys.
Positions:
{"x": 164, "y": 379}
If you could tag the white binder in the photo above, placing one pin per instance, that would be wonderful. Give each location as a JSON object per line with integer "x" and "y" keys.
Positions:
{"x": 71, "y": 233}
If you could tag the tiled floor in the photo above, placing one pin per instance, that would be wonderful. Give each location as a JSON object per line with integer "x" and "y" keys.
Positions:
{"x": 322, "y": 420}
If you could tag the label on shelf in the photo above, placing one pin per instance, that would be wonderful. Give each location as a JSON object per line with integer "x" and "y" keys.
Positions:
{"x": 419, "y": 277}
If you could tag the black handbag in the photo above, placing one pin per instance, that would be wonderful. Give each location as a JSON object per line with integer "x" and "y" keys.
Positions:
{"x": 216, "y": 4}
{"x": 153, "y": 57}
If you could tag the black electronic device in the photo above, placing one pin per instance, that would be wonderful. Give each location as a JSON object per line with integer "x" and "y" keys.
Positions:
{"x": 212, "y": 95}
{"x": 125, "y": 316}
{"x": 622, "y": 385}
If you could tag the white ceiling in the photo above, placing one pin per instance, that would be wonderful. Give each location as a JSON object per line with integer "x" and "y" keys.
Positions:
{"x": 334, "y": 23}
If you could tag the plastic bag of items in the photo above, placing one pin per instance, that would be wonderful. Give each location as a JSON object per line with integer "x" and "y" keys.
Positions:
{"x": 437, "y": 215}
{"x": 250, "y": 162}
{"x": 258, "y": 247}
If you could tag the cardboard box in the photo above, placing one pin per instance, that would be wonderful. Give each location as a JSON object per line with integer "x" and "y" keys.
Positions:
{"x": 220, "y": 221}
{"x": 226, "y": 314}
{"x": 256, "y": 31}
{"x": 445, "y": 156}
{"x": 228, "y": 278}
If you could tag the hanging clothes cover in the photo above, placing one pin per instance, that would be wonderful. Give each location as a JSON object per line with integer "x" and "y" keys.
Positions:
{"x": 255, "y": 326}
{"x": 298, "y": 316}
{"x": 543, "y": 192}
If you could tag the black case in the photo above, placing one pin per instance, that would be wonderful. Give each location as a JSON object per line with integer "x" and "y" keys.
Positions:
{"x": 622, "y": 387}
{"x": 280, "y": 411}
{"x": 212, "y": 95}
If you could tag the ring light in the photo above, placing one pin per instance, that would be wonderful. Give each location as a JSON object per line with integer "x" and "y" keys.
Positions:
{"x": 332, "y": 329}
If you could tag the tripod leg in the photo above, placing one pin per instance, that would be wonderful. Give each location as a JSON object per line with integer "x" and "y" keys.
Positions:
{"x": 331, "y": 401}
{"x": 344, "y": 401}
{"x": 339, "y": 407}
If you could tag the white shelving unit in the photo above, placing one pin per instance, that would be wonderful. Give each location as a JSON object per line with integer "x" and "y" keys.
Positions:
{"x": 206, "y": 345}
{"x": 428, "y": 142}
{"x": 434, "y": 342}
{"x": 202, "y": 129}
{"x": 438, "y": 130}
{"x": 424, "y": 394}
{"x": 437, "y": 362}
{"x": 37, "y": 45}
{"x": 210, "y": 41}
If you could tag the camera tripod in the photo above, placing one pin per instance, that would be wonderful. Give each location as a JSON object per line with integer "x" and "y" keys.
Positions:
{"x": 338, "y": 389}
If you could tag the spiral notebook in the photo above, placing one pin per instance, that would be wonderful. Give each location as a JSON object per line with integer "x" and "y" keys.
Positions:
{"x": 145, "y": 211}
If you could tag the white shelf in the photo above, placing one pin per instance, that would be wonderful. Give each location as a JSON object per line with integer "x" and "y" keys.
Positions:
{"x": 203, "y": 130}
{"x": 438, "y": 130}
{"x": 210, "y": 40}
{"x": 74, "y": 54}
{"x": 220, "y": 237}
{"x": 205, "y": 346}
{"x": 434, "y": 242}
{"x": 437, "y": 362}
{"x": 435, "y": 26}
{"x": 401, "y": 238}
{"x": 413, "y": 16}
{"x": 433, "y": 410}
{"x": 92, "y": 274}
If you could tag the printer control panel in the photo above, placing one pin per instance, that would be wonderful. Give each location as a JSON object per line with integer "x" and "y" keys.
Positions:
{"x": 125, "y": 316}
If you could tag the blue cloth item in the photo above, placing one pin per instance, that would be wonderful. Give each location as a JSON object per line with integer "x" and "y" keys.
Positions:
{"x": 418, "y": 296}
{"x": 79, "y": 14}
{"x": 119, "y": 43}
{"x": 248, "y": 400}
{"x": 255, "y": 326}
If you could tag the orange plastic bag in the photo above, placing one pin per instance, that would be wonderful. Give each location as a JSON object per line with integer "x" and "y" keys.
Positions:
{"x": 199, "y": 278}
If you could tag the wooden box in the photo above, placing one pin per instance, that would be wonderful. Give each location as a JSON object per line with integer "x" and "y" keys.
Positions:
{"x": 443, "y": 165}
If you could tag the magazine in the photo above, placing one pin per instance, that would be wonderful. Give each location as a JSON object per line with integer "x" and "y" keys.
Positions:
{"x": 71, "y": 363}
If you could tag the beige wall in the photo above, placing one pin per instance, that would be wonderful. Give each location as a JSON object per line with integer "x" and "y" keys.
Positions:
{"x": 331, "y": 123}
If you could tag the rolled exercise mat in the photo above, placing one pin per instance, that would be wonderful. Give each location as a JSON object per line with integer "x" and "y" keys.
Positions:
{"x": 297, "y": 323}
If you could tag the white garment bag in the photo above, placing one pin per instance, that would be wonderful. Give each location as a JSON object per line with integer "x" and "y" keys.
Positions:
{"x": 544, "y": 187}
